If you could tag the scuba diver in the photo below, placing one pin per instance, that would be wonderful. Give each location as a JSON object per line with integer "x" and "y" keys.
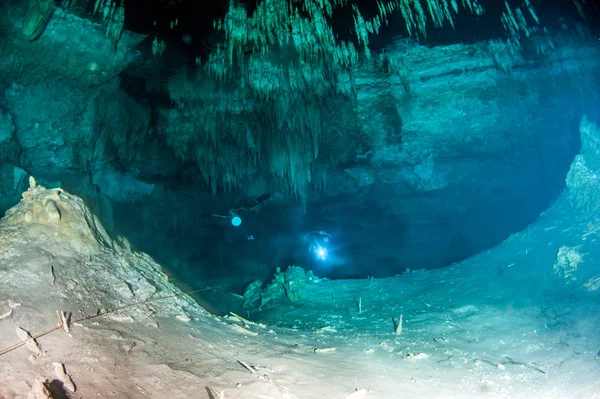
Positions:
{"x": 242, "y": 223}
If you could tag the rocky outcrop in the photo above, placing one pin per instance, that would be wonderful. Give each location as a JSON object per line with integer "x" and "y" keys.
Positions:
{"x": 61, "y": 109}
{"x": 120, "y": 186}
{"x": 583, "y": 179}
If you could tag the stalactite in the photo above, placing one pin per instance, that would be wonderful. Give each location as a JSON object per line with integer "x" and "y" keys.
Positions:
{"x": 278, "y": 66}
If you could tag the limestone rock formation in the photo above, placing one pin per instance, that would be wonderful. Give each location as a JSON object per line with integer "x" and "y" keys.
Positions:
{"x": 583, "y": 179}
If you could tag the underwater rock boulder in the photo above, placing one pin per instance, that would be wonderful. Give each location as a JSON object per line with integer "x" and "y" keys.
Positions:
{"x": 58, "y": 216}
{"x": 285, "y": 286}
{"x": 583, "y": 179}
{"x": 590, "y": 144}
{"x": 252, "y": 294}
{"x": 122, "y": 186}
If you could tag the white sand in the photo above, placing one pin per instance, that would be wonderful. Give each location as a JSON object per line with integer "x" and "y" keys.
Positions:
{"x": 502, "y": 324}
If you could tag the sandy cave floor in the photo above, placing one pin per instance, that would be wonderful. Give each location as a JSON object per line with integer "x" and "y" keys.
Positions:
{"x": 499, "y": 325}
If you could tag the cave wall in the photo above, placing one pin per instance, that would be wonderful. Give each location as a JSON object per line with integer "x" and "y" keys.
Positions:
{"x": 465, "y": 154}
{"x": 450, "y": 148}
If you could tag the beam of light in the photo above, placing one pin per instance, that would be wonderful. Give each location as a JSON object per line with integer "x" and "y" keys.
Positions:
{"x": 321, "y": 253}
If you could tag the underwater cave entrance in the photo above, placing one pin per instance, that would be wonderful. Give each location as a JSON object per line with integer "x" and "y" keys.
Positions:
{"x": 377, "y": 231}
